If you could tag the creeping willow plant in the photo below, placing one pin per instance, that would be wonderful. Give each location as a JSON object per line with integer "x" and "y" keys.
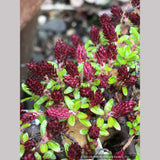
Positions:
{"x": 79, "y": 88}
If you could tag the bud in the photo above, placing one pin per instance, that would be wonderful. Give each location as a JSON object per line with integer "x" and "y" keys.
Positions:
{"x": 28, "y": 117}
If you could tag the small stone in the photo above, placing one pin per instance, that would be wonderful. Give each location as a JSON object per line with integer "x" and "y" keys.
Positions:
{"x": 70, "y": 32}
{"x": 55, "y": 25}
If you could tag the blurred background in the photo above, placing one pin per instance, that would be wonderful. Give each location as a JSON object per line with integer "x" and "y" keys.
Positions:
{"x": 43, "y": 22}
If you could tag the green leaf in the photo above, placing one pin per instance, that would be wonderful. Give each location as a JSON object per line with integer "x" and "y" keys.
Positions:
{"x": 138, "y": 118}
{"x": 129, "y": 124}
{"x": 81, "y": 115}
{"x": 49, "y": 155}
{"x": 80, "y": 67}
{"x": 41, "y": 118}
{"x": 132, "y": 54}
{"x": 68, "y": 102}
{"x": 90, "y": 48}
{"x": 37, "y": 156}
{"x": 84, "y": 100}
{"x": 100, "y": 122}
{"x": 62, "y": 73}
{"x": 85, "y": 84}
{"x": 43, "y": 127}
{"x": 121, "y": 51}
{"x": 97, "y": 110}
{"x": 25, "y": 137}
{"x": 68, "y": 90}
{"x": 107, "y": 68}
{"x": 122, "y": 38}
{"x": 96, "y": 82}
{"x": 43, "y": 148}
{"x": 92, "y": 146}
{"x": 25, "y": 125}
{"x": 64, "y": 159}
{"x": 135, "y": 34}
{"x": 131, "y": 132}
{"x": 108, "y": 156}
{"x": 137, "y": 128}
{"x": 118, "y": 29}
{"x": 104, "y": 132}
{"x": 54, "y": 146}
{"x": 87, "y": 44}
{"x": 85, "y": 122}
{"x": 116, "y": 124}
{"x": 112, "y": 80}
{"x": 53, "y": 64}
{"x": 85, "y": 105}
{"x": 84, "y": 131}
{"x": 94, "y": 88}
{"x": 50, "y": 84}
{"x": 97, "y": 66}
{"x": 20, "y": 122}
{"x": 76, "y": 106}
{"x": 105, "y": 126}
{"x": 22, "y": 150}
{"x": 49, "y": 103}
{"x": 39, "y": 102}
{"x": 66, "y": 146}
{"x": 108, "y": 106}
{"x": 127, "y": 51}
{"x": 76, "y": 93}
{"x": 56, "y": 87}
{"x": 110, "y": 122}
{"x": 89, "y": 139}
{"x": 71, "y": 120}
{"x": 26, "y": 99}
{"x": 124, "y": 90}
{"x": 26, "y": 89}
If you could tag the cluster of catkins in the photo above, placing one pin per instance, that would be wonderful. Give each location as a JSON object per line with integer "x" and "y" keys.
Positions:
{"x": 46, "y": 71}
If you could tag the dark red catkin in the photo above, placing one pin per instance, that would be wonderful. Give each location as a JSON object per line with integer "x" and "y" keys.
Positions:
{"x": 94, "y": 35}
{"x": 111, "y": 51}
{"x": 108, "y": 28}
{"x": 71, "y": 81}
{"x": 89, "y": 71}
{"x": 74, "y": 151}
{"x": 136, "y": 3}
{"x": 81, "y": 54}
{"x": 35, "y": 86}
{"x": 57, "y": 96}
{"x": 116, "y": 12}
{"x": 60, "y": 113}
{"x": 60, "y": 51}
{"x": 123, "y": 108}
{"x": 120, "y": 155}
{"x": 29, "y": 144}
{"x": 72, "y": 69}
{"x": 76, "y": 40}
{"x": 135, "y": 18}
{"x": 93, "y": 132}
{"x": 28, "y": 117}
{"x": 29, "y": 156}
{"x": 101, "y": 55}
